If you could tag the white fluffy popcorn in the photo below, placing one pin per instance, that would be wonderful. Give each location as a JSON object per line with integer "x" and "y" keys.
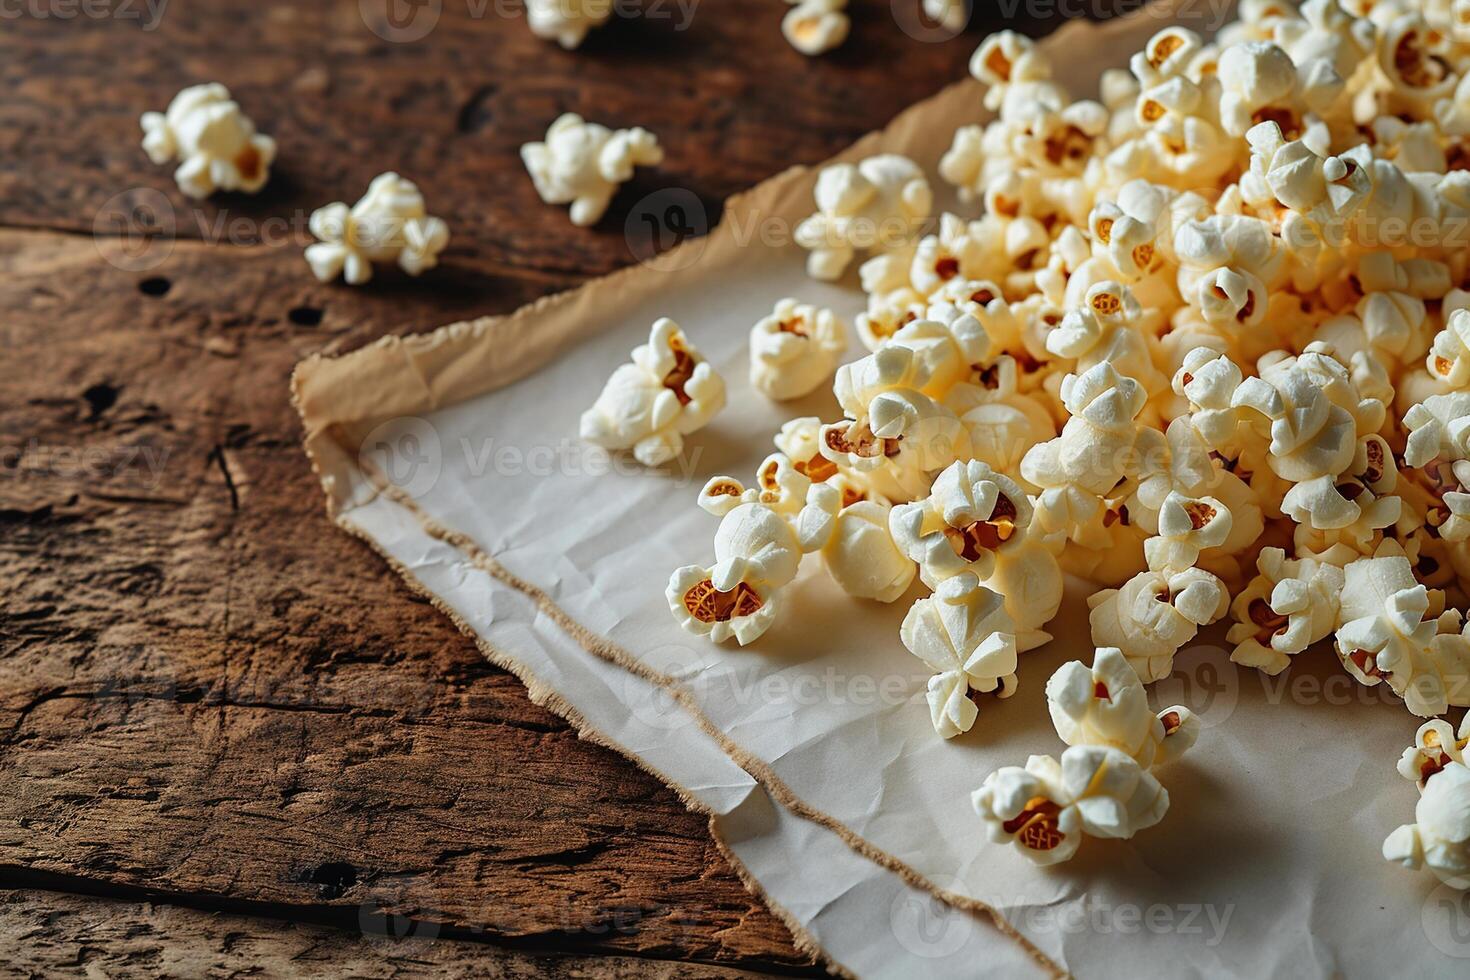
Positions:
{"x": 1047, "y": 808}
{"x": 952, "y": 15}
{"x": 963, "y": 633}
{"x": 1290, "y": 605}
{"x": 582, "y": 164}
{"x": 758, "y": 550}
{"x": 1102, "y": 787}
{"x": 1154, "y": 614}
{"x": 971, "y": 513}
{"x": 815, "y": 27}
{"x": 795, "y": 349}
{"x": 1439, "y": 839}
{"x": 649, "y": 405}
{"x": 1436, "y": 746}
{"x": 389, "y": 224}
{"x": 1388, "y": 635}
{"x": 861, "y": 556}
{"x": 1092, "y": 452}
{"x": 1207, "y": 337}
{"x": 216, "y": 143}
{"x": 567, "y": 22}
{"x": 1107, "y": 705}
{"x": 876, "y": 205}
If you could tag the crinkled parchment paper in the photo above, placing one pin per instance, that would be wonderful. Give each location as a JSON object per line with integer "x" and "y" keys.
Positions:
{"x": 455, "y": 455}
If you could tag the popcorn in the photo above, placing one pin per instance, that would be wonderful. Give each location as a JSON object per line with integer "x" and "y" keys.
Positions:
{"x": 649, "y": 406}
{"x": 1162, "y": 360}
{"x": 1311, "y": 435}
{"x": 389, "y": 224}
{"x": 1439, "y": 428}
{"x": 972, "y": 513}
{"x": 758, "y": 551}
{"x": 816, "y": 26}
{"x": 928, "y": 356}
{"x": 1259, "y": 82}
{"x": 800, "y": 441}
{"x": 1002, "y": 422}
{"x": 1104, "y": 330}
{"x": 1154, "y": 614}
{"x": 1092, "y": 452}
{"x": 902, "y": 437}
{"x": 862, "y": 557}
{"x": 582, "y": 163}
{"x": 952, "y": 15}
{"x": 877, "y": 205}
{"x": 217, "y": 143}
{"x": 1436, "y": 746}
{"x": 722, "y": 602}
{"x": 1007, "y": 58}
{"x": 1166, "y": 56}
{"x": 963, "y": 633}
{"x": 1388, "y": 635}
{"x": 1187, "y": 526}
{"x": 795, "y": 349}
{"x": 567, "y": 22}
{"x": 1410, "y": 56}
{"x": 1107, "y": 706}
{"x": 1440, "y": 839}
{"x": 1226, "y": 265}
{"x": 1046, "y": 808}
{"x": 1290, "y": 605}
{"x": 1448, "y": 361}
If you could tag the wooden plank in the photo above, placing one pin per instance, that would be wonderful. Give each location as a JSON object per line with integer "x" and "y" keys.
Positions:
{"x": 53, "y": 935}
{"x": 209, "y": 694}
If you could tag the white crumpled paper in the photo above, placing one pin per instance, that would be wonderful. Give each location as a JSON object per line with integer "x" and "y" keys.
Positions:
{"x": 455, "y": 455}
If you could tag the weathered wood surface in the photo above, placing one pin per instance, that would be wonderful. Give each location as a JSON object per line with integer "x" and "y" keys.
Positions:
{"x": 51, "y": 936}
{"x": 207, "y": 693}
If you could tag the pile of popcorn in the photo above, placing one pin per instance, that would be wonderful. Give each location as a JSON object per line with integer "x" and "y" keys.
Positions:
{"x": 1206, "y": 347}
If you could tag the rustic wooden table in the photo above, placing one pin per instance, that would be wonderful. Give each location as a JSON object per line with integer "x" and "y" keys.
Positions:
{"x": 217, "y": 712}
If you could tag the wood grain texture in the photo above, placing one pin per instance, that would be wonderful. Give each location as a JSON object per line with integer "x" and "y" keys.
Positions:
{"x": 207, "y": 693}
{"x": 50, "y": 935}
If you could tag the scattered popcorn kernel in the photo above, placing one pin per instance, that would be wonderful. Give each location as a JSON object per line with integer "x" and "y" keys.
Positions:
{"x": 1154, "y": 614}
{"x": 1290, "y": 605}
{"x": 389, "y": 224}
{"x": 1046, "y": 808}
{"x": 795, "y": 349}
{"x": 567, "y": 22}
{"x": 1436, "y": 746}
{"x": 1107, "y": 706}
{"x": 815, "y": 27}
{"x": 971, "y": 513}
{"x": 877, "y": 205}
{"x": 582, "y": 164}
{"x": 861, "y": 556}
{"x": 963, "y": 633}
{"x": 1440, "y": 838}
{"x": 649, "y": 406}
{"x": 1388, "y": 635}
{"x": 216, "y": 143}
